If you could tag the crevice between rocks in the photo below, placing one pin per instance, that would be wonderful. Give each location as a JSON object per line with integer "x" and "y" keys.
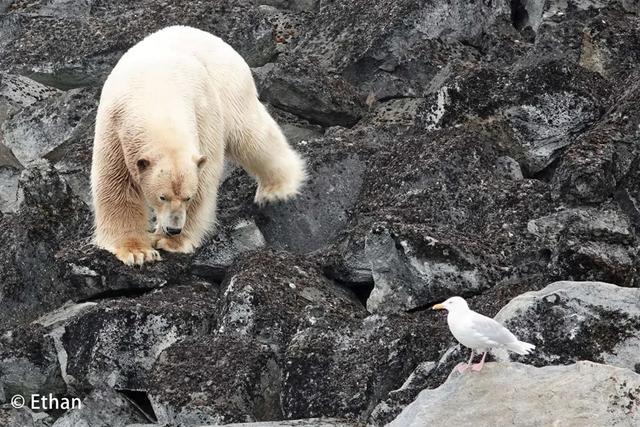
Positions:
{"x": 140, "y": 400}
{"x": 117, "y": 293}
{"x": 519, "y": 14}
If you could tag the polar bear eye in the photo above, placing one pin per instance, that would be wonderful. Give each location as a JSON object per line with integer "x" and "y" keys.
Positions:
{"x": 164, "y": 199}
{"x": 187, "y": 199}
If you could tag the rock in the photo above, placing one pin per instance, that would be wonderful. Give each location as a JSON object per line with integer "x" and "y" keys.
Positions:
{"x": 310, "y": 422}
{"x": 312, "y": 220}
{"x": 216, "y": 257}
{"x": 24, "y": 418}
{"x": 102, "y": 408}
{"x": 587, "y": 239}
{"x": 117, "y": 342}
{"x": 39, "y": 128}
{"x": 591, "y": 321}
{"x": 509, "y": 168}
{"x": 485, "y": 150}
{"x": 323, "y": 100}
{"x": 395, "y": 402}
{"x": 407, "y": 276}
{"x": 512, "y": 393}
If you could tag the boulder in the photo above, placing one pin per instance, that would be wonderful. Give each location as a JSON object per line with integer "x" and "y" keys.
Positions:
{"x": 571, "y": 321}
{"x": 513, "y": 393}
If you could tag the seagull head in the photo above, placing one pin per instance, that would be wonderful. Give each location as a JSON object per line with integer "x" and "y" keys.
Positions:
{"x": 452, "y": 304}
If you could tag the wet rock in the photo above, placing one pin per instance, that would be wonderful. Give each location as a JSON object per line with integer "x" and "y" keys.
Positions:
{"x": 600, "y": 394}
{"x": 591, "y": 321}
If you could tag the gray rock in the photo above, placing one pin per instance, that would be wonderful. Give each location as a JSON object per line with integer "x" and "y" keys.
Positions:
{"x": 571, "y": 321}
{"x": 509, "y": 168}
{"x": 321, "y": 99}
{"x": 102, "y": 408}
{"x": 407, "y": 277}
{"x": 319, "y": 213}
{"x": 310, "y": 422}
{"x": 395, "y": 402}
{"x": 591, "y": 239}
{"x": 24, "y": 417}
{"x": 218, "y": 255}
{"x": 37, "y": 129}
{"x": 125, "y": 337}
{"x": 512, "y": 393}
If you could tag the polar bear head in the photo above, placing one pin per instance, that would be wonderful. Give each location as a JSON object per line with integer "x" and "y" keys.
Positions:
{"x": 169, "y": 184}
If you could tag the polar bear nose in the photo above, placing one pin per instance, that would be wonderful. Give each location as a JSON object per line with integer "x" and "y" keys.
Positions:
{"x": 173, "y": 231}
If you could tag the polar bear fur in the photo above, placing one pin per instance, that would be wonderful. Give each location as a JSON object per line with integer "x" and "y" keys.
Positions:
{"x": 170, "y": 110}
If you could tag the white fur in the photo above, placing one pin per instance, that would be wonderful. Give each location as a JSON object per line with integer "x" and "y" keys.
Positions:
{"x": 182, "y": 93}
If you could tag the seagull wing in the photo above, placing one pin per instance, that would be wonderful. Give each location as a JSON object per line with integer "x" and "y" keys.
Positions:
{"x": 490, "y": 332}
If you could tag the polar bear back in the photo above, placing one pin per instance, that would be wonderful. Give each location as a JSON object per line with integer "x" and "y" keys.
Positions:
{"x": 182, "y": 71}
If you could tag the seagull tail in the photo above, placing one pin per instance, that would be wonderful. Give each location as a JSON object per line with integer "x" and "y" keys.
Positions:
{"x": 521, "y": 347}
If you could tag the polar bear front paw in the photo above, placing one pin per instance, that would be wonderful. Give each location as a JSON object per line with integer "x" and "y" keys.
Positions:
{"x": 175, "y": 244}
{"x": 135, "y": 252}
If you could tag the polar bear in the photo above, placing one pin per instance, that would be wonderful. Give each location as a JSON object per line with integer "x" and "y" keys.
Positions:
{"x": 170, "y": 110}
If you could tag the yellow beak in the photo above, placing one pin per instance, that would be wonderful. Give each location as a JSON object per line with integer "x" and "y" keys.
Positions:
{"x": 438, "y": 307}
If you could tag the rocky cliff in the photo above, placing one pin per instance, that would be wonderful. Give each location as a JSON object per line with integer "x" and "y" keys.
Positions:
{"x": 481, "y": 148}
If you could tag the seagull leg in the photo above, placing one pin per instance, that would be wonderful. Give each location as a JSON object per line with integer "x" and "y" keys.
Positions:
{"x": 478, "y": 366}
{"x": 462, "y": 367}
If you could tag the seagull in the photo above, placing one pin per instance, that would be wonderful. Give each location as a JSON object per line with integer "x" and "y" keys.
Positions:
{"x": 478, "y": 332}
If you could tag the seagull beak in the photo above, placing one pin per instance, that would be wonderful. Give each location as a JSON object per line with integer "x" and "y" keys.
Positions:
{"x": 438, "y": 307}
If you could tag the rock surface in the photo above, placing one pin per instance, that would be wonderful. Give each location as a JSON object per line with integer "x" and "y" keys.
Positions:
{"x": 485, "y": 149}
{"x": 516, "y": 394}
{"x": 571, "y": 321}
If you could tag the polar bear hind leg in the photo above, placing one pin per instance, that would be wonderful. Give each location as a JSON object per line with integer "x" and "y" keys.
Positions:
{"x": 262, "y": 150}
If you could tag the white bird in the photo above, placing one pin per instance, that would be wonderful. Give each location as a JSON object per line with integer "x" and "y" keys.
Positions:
{"x": 478, "y": 332}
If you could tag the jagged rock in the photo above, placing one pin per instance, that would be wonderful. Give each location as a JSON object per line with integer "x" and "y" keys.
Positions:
{"x": 117, "y": 342}
{"x": 571, "y": 321}
{"x": 407, "y": 276}
{"x": 512, "y": 393}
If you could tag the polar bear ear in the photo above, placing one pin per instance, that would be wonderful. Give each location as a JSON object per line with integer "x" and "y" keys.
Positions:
{"x": 142, "y": 164}
{"x": 200, "y": 161}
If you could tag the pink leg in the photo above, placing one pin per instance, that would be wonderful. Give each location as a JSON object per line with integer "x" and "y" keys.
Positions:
{"x": 478, "y": 366}
{"x": 462, "y": 367}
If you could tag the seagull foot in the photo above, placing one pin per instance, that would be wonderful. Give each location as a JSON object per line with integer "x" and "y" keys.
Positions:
{"x": 461, "y": 367}
{"x": 477, "y": 367}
